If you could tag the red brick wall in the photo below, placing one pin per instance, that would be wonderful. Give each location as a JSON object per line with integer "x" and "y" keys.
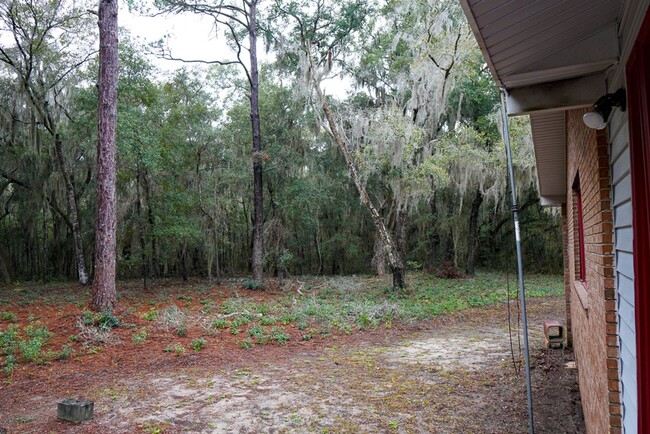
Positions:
{"x": 592, "y": 305}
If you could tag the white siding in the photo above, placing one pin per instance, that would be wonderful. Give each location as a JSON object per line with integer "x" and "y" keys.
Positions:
{"x": 622, "y": 206}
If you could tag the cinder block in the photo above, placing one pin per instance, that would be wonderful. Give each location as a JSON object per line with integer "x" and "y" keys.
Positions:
{"x": 554, "y": 334}
{"x": 75, "y": 410}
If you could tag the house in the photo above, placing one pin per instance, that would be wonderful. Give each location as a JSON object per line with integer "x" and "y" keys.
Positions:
{"x": 555, "y": 59}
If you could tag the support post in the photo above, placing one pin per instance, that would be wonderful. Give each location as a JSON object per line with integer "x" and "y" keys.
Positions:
{"x": 520, "y": 264}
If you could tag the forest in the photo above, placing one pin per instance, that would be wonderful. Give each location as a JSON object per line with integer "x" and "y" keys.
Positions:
{"x": 246, "y": 166}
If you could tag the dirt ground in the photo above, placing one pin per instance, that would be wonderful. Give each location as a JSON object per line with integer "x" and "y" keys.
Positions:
{"x": 451, "y": 375}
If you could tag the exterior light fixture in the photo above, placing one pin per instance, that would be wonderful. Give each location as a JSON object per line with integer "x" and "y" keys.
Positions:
{"x": 597, "y": 119}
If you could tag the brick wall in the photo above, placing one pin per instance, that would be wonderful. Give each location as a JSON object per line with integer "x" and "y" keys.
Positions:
{"x": 592, "y": 303}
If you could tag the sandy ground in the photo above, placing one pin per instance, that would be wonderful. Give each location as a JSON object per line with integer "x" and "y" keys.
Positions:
{"x": 453, "y": 375}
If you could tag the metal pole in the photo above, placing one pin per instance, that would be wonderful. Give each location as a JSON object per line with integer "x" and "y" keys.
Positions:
{"x": 520, "y": 264}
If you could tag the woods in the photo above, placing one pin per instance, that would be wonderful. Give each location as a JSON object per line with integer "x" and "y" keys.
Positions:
{"x": 387, "y": 102}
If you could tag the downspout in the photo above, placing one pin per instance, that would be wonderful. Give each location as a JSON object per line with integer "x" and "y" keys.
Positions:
{"x": 520, "y": 264}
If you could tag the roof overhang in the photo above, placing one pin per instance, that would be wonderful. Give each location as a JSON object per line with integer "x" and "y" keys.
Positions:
{"x": 549, "y": 56}
{"x": 549, "y": 135}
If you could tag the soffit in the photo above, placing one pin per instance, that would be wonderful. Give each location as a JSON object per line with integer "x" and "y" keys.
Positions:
{"x": 527, "y": 42}
{"x": 549, "y": 137}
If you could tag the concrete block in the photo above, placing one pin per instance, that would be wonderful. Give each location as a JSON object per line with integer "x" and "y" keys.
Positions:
{"x": 75, "y": 410}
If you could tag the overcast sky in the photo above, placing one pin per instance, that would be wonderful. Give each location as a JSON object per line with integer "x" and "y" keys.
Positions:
{"x": 193, "y": 37}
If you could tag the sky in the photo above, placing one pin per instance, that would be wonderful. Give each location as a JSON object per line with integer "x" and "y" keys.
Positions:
{"x": 193, "y": 37}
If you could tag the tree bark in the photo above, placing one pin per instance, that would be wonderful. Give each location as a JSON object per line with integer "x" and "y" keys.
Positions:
{"x": 435, "y": 233}
{"x": 6, "y": 275}
{"x": 155, "y": 269}
{"x": 392, "y": 253}
{"x": 104, "y": 293}
{"x": 472, "y": 236}
{"x": 73, "y": 212}
{"x": 400, "y": 230}
{"x": 143, "y": 239}
{"x": 379, "y": 257}
{"x": 258, "y": 195}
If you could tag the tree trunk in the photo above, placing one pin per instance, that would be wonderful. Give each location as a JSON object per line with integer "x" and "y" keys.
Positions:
{"x": 73, "y": 212}
{"x": 400, "y": 230}
{"x": 143, "y": 239}
{"x": 104, "y": 294}
{"x": 394, "y": 258}
{"x": 435, "y": 233}
{"x": 155, "y": 269}
{"x": 472, "y": 236}
{"x": 6, "y": 275}
{"x": 379, "y": 257}
{"x": 258, "y": 195}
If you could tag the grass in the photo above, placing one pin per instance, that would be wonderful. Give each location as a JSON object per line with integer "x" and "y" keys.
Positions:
{"x": 325, "y": 307}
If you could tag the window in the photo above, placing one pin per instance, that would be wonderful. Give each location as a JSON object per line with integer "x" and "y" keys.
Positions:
{"x": 579, "y": 232}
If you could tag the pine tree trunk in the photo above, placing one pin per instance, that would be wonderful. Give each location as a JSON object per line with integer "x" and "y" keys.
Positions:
{"x": 104, "y": 294}
{"x": 472, "y": 236}
{"x": 73, "y": 212}
{"x": 258, "y": 197}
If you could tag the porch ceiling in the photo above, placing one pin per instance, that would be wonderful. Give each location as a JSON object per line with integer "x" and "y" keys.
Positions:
{"x": 549, "y": 136}
{"x": 527, "y": 42}
{"x": 550, "y": 56}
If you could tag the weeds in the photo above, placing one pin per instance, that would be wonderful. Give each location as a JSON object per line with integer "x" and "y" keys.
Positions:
{"x": 26, "y": 345}
{"x": 140, "y": 336}
{"x": 279, "y": 336}
{"x": 151, "y": 315}
{"x": 198, "y": 344}
{"x": 253, "y": 285}
{"x": 246, "y": 343}
{"x": 220, "y": 323}
{"x": 8, "y": 316}
{"x": 177, "y": 349}
{"x": 172, "y": 318}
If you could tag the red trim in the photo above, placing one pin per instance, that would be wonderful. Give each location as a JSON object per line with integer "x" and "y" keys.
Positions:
{"x": 638, "y": 96}
{"x": 581, "y": 238}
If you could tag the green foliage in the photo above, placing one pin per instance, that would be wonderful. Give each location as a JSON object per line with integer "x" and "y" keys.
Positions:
{"x": 279, "y": 336}
{"x": 151, "y": 315}
{"x": 177, "y": 349}
{"x": 421, "y": 124}
{"x": 252, "y": 285}
{"x": 27, "y": 344}
{"x": 198, "y": 344}
{"x": 246, "y": 343}
{"x": 255, "y": 331}
{"x": 103, "y": 320}
{"x": 220, "y": 323}
{"x": 140, "y": 336}
{"x": 8, "y": 316}
{"x": 66, "y": 352}
{"x": 268, "y": 320}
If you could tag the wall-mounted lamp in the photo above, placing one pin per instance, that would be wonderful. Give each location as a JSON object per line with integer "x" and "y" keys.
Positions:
{"x": 597, "y": 119}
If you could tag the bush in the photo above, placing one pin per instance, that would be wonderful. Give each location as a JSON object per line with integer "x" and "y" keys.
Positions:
{"x": 279, "y": 336}
{"x": 104, "y": 320}
{"x": 8, "y": 316}
{"x": 220, "y": 323}
{"x": 268, "y": 320}
{"x": 151, "y": 315}
{"x": 198, "y": 344}
{"x": 253, "y": 285}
